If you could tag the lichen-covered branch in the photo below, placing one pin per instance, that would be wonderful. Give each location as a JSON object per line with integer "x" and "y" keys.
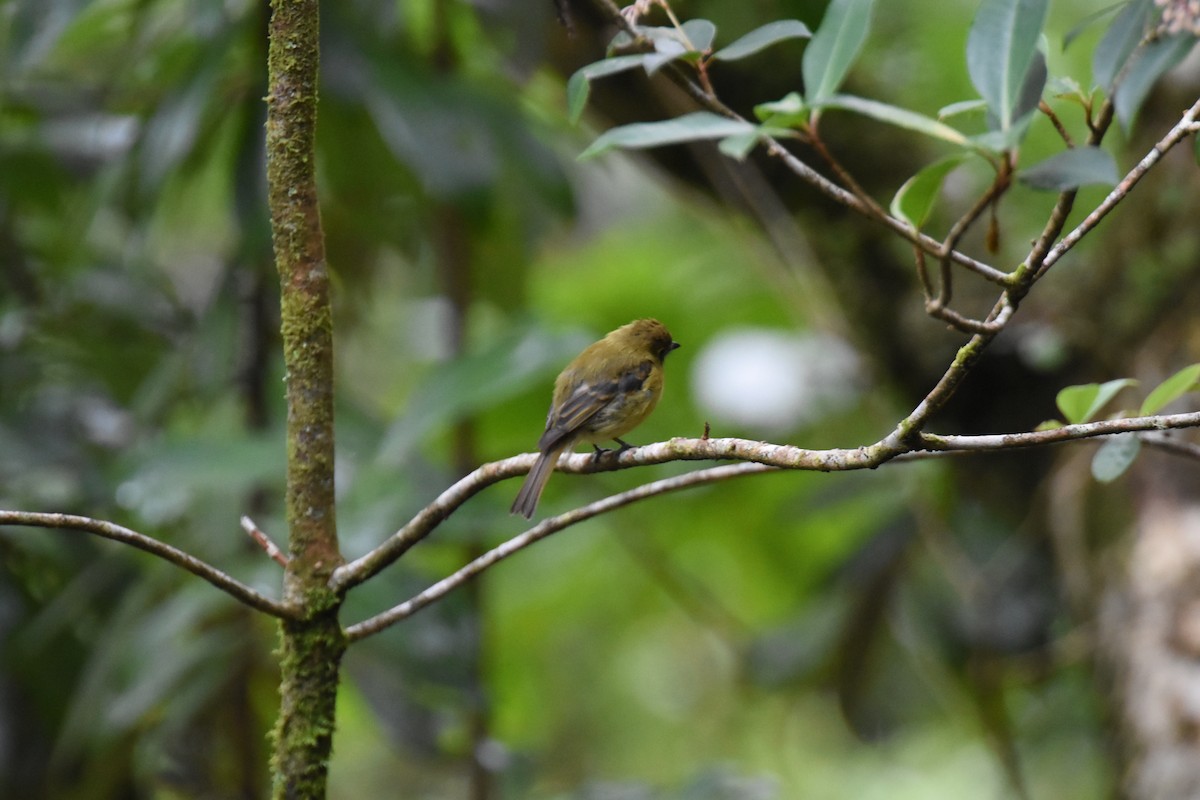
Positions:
{"x": 312, "y": 645}
{"x": 758, "y": 457}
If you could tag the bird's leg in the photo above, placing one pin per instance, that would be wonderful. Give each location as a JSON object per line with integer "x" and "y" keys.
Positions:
{"x": 624, "y": 444}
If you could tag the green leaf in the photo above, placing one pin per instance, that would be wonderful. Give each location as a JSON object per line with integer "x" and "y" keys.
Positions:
{"x": 762, "y": 38}
{"x": 688, "y": 128}
{"x": 739, "y": 145}
{"x": 1089, "y": 21}
{"x": 1150, "y": 63}
{"x": 790, "y": 111}
{"x": 1048, "y": 425}
{"x": 916, "y": 197}
{"x": 1080, "y": 403}
{"x": 700, "y": 33}
{"x": 1001, "y": 49}
{"x": 901, "y": 117}
{"x": 1115, "y": 456}
{"x": 1070, "y": 169}
{"x": 834, "y": 47}
{"x": 960, "y": 108}
{"x": 665, "y": 51}
{"x": 1170, "y": 390}
{"x": 579, "y": 85}
{"x": 1119, "y": 42}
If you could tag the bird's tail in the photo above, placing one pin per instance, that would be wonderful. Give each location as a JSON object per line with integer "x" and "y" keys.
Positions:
{"x": 531, "y": 489}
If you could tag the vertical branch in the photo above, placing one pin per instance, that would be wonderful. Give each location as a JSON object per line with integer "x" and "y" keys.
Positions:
{"x": 312, "y": 646}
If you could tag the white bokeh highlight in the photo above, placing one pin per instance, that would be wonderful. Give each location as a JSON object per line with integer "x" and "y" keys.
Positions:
{"x": 768, "y": 381}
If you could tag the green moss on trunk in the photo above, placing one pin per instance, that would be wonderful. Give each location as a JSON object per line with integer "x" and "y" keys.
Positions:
{"x": 311, "y": 648}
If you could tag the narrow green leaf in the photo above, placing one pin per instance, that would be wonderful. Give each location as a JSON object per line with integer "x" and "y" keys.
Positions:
{"x": 1115, "y": 456}
{"x": 1151, "y": 62}
{"x": 579, "y": 85}
{"x": 1070, "y": 169}
{"x": 790, "y": 111}
{"x": 1119, "y": 42}
{"x": 834, "y": 47}
{"x": 1089, "y": 21}
{"x": 762, "y": 38}
{"x": 1031, "y": 90}
{"x": 901, "y": 117}
{"x": 1080, "y": 403}
{"x": 1001, "y": 47}
{"x": 1170, "y": 390}
{"x": 916, "y": 197}
{"x": 739, "y": 145}
{"x": 961, "y": 107}
{"x": 688, "y": 128}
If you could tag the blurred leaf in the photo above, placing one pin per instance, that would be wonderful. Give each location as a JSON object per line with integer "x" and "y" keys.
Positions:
{"x": 1001, "y": 48}
{"x": 914, "y": 200}
{"x": 579, "y": 85}
{"x": 700, "y": 33}
{"x": 1184, "y": 381}
{"x": 473, "y": 383}
{"x": 665, "y": 51}
{"x": 834, "y": 47}
{"x": 697, "y": 126}
{"x": 900, "y": 117}
{"x": 1115, "y": 456}
{"x": 762, "y": 38}
{"x": 1048, "y": 425}
{"x": 961, "y": 107}
{"x": 1119, "y": 42}
{"x": 1149, "y": 64}
{"x": 1080, "y": 403}
{"x": 1070, "y": 169}
{"x": 789, "y": 111}
{"x": 169, "y": 475}
{"x": 1067, "y": 88}
{"x": 1089, "y": 21}
{"x": 739, "y": 145}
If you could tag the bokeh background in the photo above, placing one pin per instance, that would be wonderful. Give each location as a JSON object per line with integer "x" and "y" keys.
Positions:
{"x": 908, "y": 632}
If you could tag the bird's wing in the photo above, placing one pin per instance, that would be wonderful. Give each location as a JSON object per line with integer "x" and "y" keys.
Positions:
{"x": 586, "y": 399}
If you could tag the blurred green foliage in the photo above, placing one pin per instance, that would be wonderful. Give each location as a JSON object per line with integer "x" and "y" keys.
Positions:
{"x": 783, "y": 636}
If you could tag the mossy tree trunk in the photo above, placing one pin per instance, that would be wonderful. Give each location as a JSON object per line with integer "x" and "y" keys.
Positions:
{"x": 311, "y": 648}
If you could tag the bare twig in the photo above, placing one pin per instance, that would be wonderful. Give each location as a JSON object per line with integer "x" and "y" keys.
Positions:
{"x": 355, "y": 572}
{"x": 1045, "y": 108}
{"x": 960, "y": 322}
{"x": 264, "y": 541}
{"x": 109, "y": 530}
{"x": 540, "y": 531}
{"x": 763, "y": 457}
{"x": 1067, "y": 433}
{"x": 766, "y": 454}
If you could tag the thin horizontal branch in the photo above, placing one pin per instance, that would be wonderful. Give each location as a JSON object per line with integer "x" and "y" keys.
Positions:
{"x": 1067, "y": 433}
{"x": 766, "y": 457}
{"x": 541, "y": 531}
{"x": 109, "y": 530}
{"x": 780, "y": 456}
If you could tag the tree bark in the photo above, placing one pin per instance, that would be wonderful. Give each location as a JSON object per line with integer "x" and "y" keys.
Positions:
{"x": 311, "y": 647}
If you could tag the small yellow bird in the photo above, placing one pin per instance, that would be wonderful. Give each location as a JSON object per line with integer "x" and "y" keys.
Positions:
{"x": 607, "y": 391}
